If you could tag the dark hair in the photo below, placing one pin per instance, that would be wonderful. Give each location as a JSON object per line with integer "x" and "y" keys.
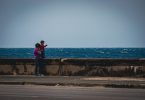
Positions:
{"x": 42, "y": 41}
{"x": 37, "y": 45}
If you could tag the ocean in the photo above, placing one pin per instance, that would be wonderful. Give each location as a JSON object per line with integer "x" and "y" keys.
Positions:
{"x": 75, "y": 52}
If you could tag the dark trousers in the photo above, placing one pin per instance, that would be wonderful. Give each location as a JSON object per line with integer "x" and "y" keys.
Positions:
{"x": 43, "y": 54}
{"x": 39, "y": 66}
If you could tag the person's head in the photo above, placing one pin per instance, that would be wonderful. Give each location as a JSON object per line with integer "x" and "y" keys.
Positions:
{"x": 37, "y": 45}
{"x": 42, "y": 41}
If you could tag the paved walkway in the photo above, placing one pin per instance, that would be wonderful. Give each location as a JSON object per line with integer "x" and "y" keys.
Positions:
{"x": 73, "y": 80}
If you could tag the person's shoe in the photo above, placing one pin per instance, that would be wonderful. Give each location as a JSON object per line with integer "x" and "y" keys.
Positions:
{"x": 41, "y": 75}
{"x": 38, "y": 74}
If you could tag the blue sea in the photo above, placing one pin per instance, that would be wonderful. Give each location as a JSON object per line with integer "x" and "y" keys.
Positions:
{"x": 75, "y": 52}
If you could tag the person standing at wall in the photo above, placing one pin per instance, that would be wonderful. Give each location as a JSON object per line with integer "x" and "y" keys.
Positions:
{"x": 42, "y": 48}
{"x": 38, "y": 58}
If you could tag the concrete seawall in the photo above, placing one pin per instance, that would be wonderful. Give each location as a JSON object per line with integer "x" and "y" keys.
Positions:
{"x": 76, "y": 67}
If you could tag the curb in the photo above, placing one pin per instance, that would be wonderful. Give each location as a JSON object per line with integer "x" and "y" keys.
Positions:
{"x": 137, "y": 86}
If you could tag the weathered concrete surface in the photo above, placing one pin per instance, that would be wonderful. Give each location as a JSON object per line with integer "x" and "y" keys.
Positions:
{"x": 76, "y": 67}
{"x": 121, "y": 82}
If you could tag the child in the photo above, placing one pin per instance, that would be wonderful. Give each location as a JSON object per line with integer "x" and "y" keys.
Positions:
{"x": 37, "y": 55}
{"x": 42, "y": 46}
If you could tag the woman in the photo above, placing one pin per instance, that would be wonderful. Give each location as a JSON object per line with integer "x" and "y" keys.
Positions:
{"x": 37, "y": 55}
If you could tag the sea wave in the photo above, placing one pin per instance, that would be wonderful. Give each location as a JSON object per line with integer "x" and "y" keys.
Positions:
{"x": 75, "y": 52}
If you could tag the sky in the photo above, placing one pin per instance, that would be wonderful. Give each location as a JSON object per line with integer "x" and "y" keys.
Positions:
{"x": 72, "y": 23}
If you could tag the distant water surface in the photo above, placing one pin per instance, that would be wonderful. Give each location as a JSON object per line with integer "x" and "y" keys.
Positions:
{"x": 75, "y": 52}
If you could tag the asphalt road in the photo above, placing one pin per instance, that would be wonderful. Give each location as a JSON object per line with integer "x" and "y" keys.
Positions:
{"x": 38, "y": 92}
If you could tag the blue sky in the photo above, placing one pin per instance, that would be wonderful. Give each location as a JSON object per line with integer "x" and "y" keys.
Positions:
{"x": 72, "y": 23}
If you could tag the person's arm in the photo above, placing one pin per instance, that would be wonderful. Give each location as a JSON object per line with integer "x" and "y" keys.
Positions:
{"x": 45, "y": 45}
{"x": 35, "y": 53}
